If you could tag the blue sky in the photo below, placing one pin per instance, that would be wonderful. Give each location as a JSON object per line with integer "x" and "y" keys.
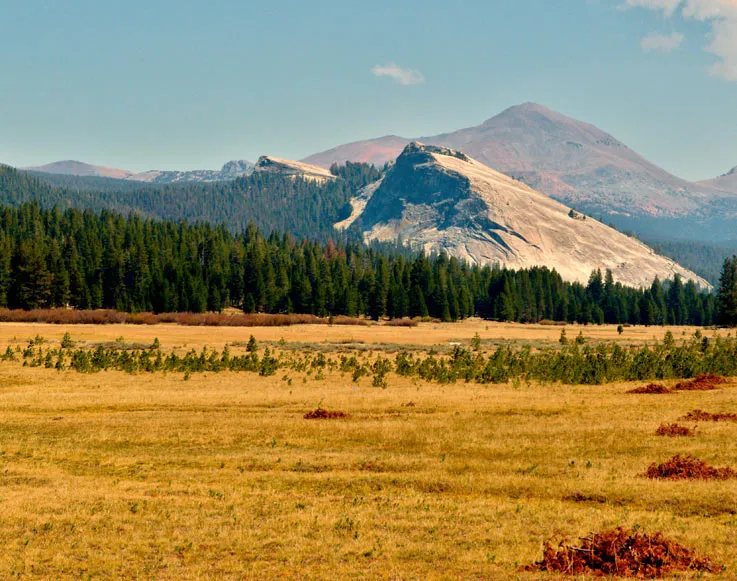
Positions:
{"x": 159, "y": 84}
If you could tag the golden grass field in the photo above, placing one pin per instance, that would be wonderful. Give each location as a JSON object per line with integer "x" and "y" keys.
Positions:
{"x": 153, "y": 477}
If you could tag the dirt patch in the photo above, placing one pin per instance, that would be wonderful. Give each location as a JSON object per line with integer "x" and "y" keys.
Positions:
{"x": 322, "y": 414}
{"x": 624, "y": 553}
{"x": 654, "y": 388}
{"x": 701, "y": 383}
{"x": 702, "y": 416}
{"x": 673, "y": 430}
{"x": 688, "y": 468}
{"x": 581, "y": 497}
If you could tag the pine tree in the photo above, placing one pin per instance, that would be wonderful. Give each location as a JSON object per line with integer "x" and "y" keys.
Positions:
{"x": 727, "y": 294}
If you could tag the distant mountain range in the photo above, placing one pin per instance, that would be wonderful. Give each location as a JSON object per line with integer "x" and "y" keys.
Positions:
{"x": 571, "y": 161}
{"x": 230, "y": 171}
{"x": 78, "y": 168}
{"x": 579, "y": 165}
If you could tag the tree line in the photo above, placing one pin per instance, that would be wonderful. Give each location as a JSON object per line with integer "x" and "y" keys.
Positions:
{"x": 86, "y": 260}
{"x": 275, "y": 203}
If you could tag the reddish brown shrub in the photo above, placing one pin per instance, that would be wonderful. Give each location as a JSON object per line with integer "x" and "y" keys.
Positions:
{"x": 702, "y": 416}
{"x": 106, "y": 317}
{"x": 704, "y": 382}
{"x": 321, "y": 414}
{"x": 401, "y": 323}
{"x": 687, "y": 468}
{"x": 675, "y": 430}
{"x": 651, "y": 388}
{"x": 624, "y": 553}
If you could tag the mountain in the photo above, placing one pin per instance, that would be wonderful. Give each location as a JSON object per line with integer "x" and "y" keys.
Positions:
{"x": 272, "y": 200}
{"x": 230, "y": 171}
{"x": 374, "y": 151}
{"x": 438, "y": 199}
{"x": 728, "y": 181}
{"x": 580, "y": 165}
{"x": 292, "y": 169}
{"x": 78, "y": 168}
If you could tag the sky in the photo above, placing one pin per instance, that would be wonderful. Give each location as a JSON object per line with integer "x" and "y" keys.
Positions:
{"x": 164, "y": 84}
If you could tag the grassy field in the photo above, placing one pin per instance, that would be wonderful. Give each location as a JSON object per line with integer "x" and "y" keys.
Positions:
{"x": 113, "y": 475}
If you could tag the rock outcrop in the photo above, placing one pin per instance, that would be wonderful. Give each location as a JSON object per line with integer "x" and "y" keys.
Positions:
{"x": 440, "y": 200}
{"x": 287, "y": 167}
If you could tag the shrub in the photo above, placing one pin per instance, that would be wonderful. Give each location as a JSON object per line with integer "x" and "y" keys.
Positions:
{"x": 322, "y": 414}
{"x": 622, "y": 552}
{"x": 673, "y": 430}
{"x": 687, "y": 468}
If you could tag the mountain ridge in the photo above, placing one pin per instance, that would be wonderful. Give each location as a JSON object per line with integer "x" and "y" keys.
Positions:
{"x": 572, "y": 161}
{"x": 441, "y": 200}
{"x": 230, "y": 171}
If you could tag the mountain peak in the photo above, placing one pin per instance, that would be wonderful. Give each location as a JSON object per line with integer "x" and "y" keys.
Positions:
{"x": 417, "y": 147}
{"x": 79, "y": 168}
{"x": 438, "y": 199}
{"x": 294, "y": 169}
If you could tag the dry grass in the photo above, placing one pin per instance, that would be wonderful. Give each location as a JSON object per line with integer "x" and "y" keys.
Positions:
{"x": 426, "y": 333}
{"x": 220, "y": 477}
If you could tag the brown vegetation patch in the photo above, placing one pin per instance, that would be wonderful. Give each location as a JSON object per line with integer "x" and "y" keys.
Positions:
{"x": 581, "y": 497}
{"x": 322, "y": 414}
{"x": 702, "y": 416}
{"x": 704, "y": 382}
{"x": 401, "y": 323}
{"x": 688, "y": 468}
{"x": 651, "y": 388}
{"x": 673, "y": 430}
{"x": 624, "y": 553}
{"x": 110, "y": 317}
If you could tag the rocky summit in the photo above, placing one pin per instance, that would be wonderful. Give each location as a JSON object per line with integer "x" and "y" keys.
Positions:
{"x": 287, "y": 167}
{"x": 441, "y": 200}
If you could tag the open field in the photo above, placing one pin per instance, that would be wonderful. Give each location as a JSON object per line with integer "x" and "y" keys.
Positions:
{"x": 114, "y": 475}
{"x": 424, "y": 334}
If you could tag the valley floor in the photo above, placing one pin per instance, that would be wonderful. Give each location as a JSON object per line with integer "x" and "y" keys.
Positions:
{"x": 111, "y": 475}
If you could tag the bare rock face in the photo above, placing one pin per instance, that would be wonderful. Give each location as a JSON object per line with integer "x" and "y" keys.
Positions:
{"x": 230, "y": 171}
{"x": 438, "y": 199}
{"x": 577, "y": 164}
{"x": 286, "y": 167}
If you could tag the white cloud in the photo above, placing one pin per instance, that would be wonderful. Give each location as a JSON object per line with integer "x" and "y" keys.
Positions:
{"x": 721, "y": 15}
{"x": 667, "y": 6}
{"x": 661, "y": 42}
{"x": 400, "y": 75}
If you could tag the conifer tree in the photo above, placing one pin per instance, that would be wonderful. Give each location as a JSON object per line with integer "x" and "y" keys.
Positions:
{"x": 727, "y": 294}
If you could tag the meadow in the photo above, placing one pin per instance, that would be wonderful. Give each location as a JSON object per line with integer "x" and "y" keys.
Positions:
{"x": 170, "y": 475}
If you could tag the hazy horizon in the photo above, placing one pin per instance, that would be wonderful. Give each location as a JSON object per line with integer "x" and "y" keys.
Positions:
{"x": 163, "y": 85}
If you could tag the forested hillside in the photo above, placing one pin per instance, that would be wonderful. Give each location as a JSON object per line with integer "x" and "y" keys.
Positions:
{"x": 705, "y": 259}
{"x": 273, "y": 202}
{"x": 50, "y": 257}
{"x": 89, "y": 183}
